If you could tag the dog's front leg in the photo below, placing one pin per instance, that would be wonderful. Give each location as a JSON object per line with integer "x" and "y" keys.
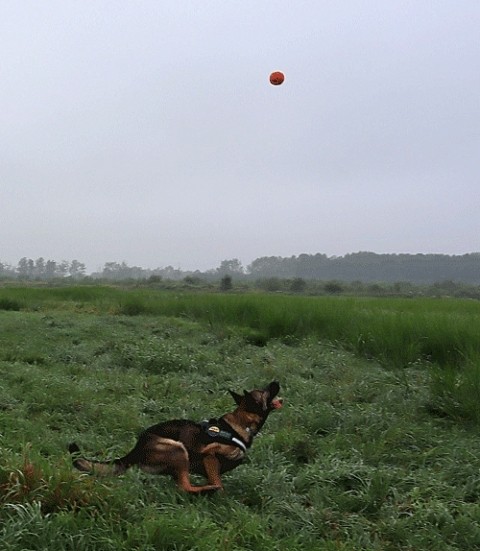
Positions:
{"x": 212, "y": 468}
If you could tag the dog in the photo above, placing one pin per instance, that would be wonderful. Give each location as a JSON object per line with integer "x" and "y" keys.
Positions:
{"x": 180, "y": 447}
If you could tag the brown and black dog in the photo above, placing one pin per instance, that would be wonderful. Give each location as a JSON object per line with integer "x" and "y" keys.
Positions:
{"x": 181, "y": 447}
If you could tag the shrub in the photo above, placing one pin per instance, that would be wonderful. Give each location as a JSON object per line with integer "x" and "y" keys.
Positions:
{"x": 9, "y": 304}
{"x": 333, "y": 288}
{"x": 134, "y": 306}
{"x": 298, "y": 285}
{"x": 226, "y": 283}
{"x": 192, "y": 280}
{"x": 270, "y": 284}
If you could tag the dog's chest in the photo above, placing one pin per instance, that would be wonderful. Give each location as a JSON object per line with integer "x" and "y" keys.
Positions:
{"x": 231, "y": 460}
{"x": 235, "y": 455}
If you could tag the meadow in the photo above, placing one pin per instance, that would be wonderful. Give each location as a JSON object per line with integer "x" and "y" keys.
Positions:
{"x": 377, "y": 446}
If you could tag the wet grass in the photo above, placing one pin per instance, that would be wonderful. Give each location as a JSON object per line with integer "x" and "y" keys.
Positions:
{"x": 368, "y": 452}
{"x": 396, "y": 332}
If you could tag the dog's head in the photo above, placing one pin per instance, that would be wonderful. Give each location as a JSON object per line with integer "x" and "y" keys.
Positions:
{"x": 261, "y": 402}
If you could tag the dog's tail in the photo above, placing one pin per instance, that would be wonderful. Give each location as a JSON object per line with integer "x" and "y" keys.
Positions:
{"x": 98, "y": 468}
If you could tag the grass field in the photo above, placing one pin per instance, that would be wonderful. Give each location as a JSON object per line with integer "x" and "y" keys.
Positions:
{"x": 376, "y": 448}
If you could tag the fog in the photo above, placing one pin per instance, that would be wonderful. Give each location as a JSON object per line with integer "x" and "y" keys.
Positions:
{"x": 148, "y": 132}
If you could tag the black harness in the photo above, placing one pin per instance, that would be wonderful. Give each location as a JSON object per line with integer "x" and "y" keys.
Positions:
{"x": 217, "y": 430}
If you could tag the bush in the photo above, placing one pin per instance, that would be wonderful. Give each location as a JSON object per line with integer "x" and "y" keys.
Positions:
{"x": 270, "y": 284}
{"x": 134, "y": 306}
{"x": 192, "y": 280}
{"x": 226, "y": 283}
{"x": 298, "y": 285}
{"x": 333, "y": 288}
{"x": 9, "y": 304}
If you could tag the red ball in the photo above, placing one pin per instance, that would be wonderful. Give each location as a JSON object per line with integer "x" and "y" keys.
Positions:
{"x": 276, "y": 78}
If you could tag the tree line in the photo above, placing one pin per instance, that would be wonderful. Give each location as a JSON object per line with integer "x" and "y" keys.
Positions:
{"x": 41, "y": 269}
{"x": 367, "y": 267}
{"x": 372, "y": 267}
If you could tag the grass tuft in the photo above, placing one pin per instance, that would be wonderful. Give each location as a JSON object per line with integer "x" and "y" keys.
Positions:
{"x": 455, "y": 391}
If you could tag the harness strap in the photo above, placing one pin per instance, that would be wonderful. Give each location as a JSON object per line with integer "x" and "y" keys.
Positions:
{"x": 212, "y": 429}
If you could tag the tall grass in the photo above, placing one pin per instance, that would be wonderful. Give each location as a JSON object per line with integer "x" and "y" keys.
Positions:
{"x": 396, "y": 332}
{"x": 456, "y": 390}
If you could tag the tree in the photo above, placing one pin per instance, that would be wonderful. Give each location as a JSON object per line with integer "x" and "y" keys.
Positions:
{"x": 40, "y": 268}
{"x": 22, "y": 268}
{"x": 50, "y": 269}
{"x": 266, "y": 266}
{"x": 6, "y": 270}
{"x": 31, "y": 268}
{"x": 77, "y": 269}
{"x": 62, "y": 268}
{"x": 231, "y": 267}
{"x": 226, "y": 283}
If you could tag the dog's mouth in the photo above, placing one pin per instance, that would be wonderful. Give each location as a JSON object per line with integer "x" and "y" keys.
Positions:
{"x": 277, "y": 403}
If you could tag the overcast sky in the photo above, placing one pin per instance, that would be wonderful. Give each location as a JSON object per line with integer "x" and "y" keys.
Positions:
{"x": 148, "y": 132}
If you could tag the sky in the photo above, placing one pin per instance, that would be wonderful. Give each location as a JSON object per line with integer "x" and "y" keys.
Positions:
{"x": 148, "y": 132}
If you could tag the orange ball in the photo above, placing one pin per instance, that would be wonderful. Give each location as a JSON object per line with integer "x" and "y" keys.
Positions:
{"x": 276, "y": 78}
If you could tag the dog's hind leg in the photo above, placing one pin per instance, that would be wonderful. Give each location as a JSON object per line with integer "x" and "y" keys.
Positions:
{"x": 166, "y": 455}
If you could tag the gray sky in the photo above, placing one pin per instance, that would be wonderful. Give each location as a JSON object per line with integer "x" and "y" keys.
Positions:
{"x": 147, "y": 131}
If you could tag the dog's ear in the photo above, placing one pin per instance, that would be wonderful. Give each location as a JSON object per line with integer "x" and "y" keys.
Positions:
{"x": 273, "y": 389}
{"x": 237, "y": 397}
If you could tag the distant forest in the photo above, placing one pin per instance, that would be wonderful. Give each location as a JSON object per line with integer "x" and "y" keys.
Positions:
{"x": 372, "y": 267}
{"x": 365, "y": 267}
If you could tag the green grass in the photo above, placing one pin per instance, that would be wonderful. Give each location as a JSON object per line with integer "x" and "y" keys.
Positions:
{"x": 375, "y": 447}
{"x": 396, "y": 332}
